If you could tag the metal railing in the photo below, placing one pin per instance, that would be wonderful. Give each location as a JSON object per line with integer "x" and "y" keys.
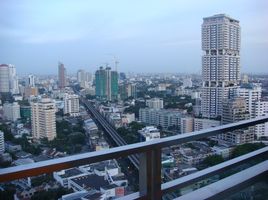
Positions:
{"x": 150, "y": 183}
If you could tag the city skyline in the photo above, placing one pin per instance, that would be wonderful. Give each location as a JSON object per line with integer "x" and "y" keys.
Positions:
{"x": 37, "y": 35}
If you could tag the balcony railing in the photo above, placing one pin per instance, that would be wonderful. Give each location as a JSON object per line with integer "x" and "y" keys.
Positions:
{"x": 150, "y": 183}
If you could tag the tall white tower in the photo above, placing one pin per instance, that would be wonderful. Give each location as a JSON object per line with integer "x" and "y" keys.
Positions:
{"x": 220, "y": 62}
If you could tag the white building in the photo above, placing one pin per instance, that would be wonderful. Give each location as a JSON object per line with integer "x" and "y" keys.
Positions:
{"x": 71, "y": 104}
{"x": 155, "y": 103}
{"x": 30, "y": 81}
{"x": 261, "y": 109}
{"x": 43, "y": 119}
{"x": 251, "y": 93}
{"x": 4, "y": 78}
{"x": 11, "y": 111}
{"x": 13, "y": 80}
{"x": 220, "y": 62}
{"x": 149, "y": 133}
{"x": 2, "y": 142}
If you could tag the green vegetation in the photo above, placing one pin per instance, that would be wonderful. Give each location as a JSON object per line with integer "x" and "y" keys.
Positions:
{"x": 7, "y": 132}
{"x": 130, "y": 134}
{"x": 26, "y": 146}
{"x": 246, "y": 148}
{"x": 69, "y": 138}
{"x": 213, "y": 160}
{"x": 39, "y": 180}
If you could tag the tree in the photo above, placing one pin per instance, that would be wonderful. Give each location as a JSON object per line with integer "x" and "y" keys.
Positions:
{"x": 246, "y": 148}
{"x": 213, "y": 160}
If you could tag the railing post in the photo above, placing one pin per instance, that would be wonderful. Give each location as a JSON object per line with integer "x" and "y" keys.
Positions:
{"x": 150, "y": 174}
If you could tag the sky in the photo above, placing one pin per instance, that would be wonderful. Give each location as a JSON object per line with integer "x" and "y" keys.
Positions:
{"x": 144, "y": 36}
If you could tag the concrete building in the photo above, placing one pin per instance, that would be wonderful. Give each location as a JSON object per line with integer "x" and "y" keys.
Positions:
{"x": 11, "y": 111}
{"x": 8, "y": 79}
{"x": 43, "y": 119}
{"x": 71, "y": 104}
{"x": 127, "y": 90}
{"x": 160, "y": 117}
{"x": 187, "y": 82}
{"x": 149, "y": 133}
{"x": 235, "y": 110}
{"x": 4, "y": 78}
{"x": 2, "y": 142}
{"x": 84, "y": 78}
{"x": 220, "y": 62}
{"x": 187, "y": 124}
{"x": 155, "y": 103}
{"x": 252, "y": 94}
{"x": 261, "y": 109}
{"x": 106, "y": 84}
{"x": 200, "y": 124}
{"x": 61, "y": 76}
{"x": 30, "y": 80}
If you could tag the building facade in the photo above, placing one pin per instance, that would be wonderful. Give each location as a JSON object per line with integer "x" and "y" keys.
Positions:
{"x": 61, "y": 76}
{"x": 8, "y": 79}
{"x": 155, "y": 103}
{"x": 71, "y": 104}
{"x": 43, "y": 119}
{"x": 106, "y": 84}
{"x": 235, "y": 110}
{"x": 220, "y": 62}
{"x": 11, "y": 111}
{"x": 2, "y": 142}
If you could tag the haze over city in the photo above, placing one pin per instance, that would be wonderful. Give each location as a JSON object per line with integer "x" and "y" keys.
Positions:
{"x": 151, "y": 36}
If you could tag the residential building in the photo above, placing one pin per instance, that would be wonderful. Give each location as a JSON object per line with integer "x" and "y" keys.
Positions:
{"x": 71, "y": 104}
{"x": 187, "y": 124}
{"x": 13, "y": 80}
{"x": 261, "y": 109}
{"x": 43, "y": 119}
{"x": 220, "y": 62}
{"x": 200, "y": 124}
{"x": 11, "y": 111}
{"x": 155, "y": 103}
{"x": 106, "y": 84}
{"x": 30, "y": 80}
{"x": 235, "y": 110}
{"x": 61, "y": 76}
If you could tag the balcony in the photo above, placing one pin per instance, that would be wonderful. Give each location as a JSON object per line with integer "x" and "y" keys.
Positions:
{"x": 150, "y": 180}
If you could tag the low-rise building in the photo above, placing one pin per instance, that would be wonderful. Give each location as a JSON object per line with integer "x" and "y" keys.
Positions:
{"x": 149, "y": 133}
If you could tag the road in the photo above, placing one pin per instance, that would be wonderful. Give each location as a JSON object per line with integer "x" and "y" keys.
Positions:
{"x": 109, "y": 129}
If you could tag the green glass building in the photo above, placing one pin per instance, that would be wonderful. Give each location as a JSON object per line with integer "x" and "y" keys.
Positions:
{"x": 106, "y": 84}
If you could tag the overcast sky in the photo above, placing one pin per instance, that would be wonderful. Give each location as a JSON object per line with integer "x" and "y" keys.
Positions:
{"x": 145, "y": 36}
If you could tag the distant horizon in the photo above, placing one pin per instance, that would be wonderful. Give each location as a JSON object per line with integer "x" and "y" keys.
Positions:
{"x": 162, "y": 36}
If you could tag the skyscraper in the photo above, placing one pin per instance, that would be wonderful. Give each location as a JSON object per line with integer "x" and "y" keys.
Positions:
{"x": 61, "y": 75}
{"x": 106, "y": 84}
{"x": 43, "y": 119}
{"x": 220, "y": 62}
{"x": 8, "y": 79}
{"x": 4, "y": 78}
{"x": 71, "y": 104}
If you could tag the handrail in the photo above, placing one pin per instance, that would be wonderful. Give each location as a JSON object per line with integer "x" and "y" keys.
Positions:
{"x": 150, "y": 159}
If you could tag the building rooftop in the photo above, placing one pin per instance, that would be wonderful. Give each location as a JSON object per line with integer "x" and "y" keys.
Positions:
{"x": 91, "y": 181}
{"x": 71, "y": 172}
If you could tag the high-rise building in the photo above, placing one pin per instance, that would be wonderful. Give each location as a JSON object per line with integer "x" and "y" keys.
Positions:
{"x": 2, "y": 142}
{"x": 13, "y": 80}
{"x": 11, "y": 111}
{"x": 220, "y": 62}
{"x": 155, "y": 103}
{"x": 30, "y": 81}
{"x": 4, "y": 78}
{"x": 252, "y": 94}
{"x": 71, "y": 104}
{"x": 84, "y": 78}
{"x": 61, "y": 76}
{"x": 106, "y": 84}
{"x": 43, "y": 119}
{"x": 187, "y": 124}
{"x": 235, "y": 110}
{"x": 8, "y": 79}
{"x": 127, "y": 90}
